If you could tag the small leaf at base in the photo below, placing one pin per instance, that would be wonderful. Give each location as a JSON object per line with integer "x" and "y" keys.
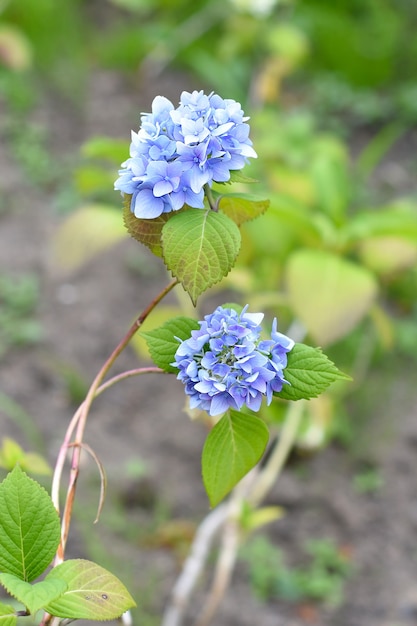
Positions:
{"x": 33, "y": 597}
{"x": 93, "y": 592}
{"x": 7, "y": 615}
{"x": 30, "y": 537}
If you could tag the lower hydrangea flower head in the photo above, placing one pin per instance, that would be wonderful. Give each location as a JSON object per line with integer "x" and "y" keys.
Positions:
{"x": 225, "y": 364}
{"x": 179, "y": 150}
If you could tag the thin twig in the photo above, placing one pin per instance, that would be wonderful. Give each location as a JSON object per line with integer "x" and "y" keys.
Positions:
{"x": 253, "y": 488}
{"x": 82, "y": 414}
{"x": 227, "y": 558}
{"x": 66, "y": 444}
{"x": 193, "y": 566}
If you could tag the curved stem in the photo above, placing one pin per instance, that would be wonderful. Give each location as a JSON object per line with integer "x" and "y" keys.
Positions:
{"x": 80, "y": 418}
{"x": 59, "y": 466}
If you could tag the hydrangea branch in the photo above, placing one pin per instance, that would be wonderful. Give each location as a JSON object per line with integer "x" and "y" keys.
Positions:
{"x": 79, "y": 422}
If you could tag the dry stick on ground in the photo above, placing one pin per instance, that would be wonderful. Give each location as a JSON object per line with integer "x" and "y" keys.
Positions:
{"x": 181, "y": 592}
{"x": 253, "y": 489}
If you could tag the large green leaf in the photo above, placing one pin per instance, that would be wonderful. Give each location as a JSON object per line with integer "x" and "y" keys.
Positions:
{"x": 200, "y": 247}
{"x": 162, "y": 342}
{"x": 329, "y": 294}
{"x": 232, "y": 448}
{"x": 87, "y": 232}
{"x": 29, "y": 526}
{"x": 92, "y": 592}
{"x": 33, "y": 597}
{"x": 7, "y": 615}
{"x": 309, "y": 373}
{"x": 242, "y": 207}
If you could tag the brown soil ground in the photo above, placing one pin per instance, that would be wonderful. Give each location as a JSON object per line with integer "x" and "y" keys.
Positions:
{"x": 84, "y": 315}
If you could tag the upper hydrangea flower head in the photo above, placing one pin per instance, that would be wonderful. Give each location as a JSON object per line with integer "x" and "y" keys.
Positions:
{"x": 179, "y": 150}
{"x": 225, "y": 364}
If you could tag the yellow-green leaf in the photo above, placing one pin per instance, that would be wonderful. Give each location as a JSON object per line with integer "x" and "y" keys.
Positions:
{"x": 329, "y": 294}
{"x": 90, "y": 230}
{"x": 92, "y": 592}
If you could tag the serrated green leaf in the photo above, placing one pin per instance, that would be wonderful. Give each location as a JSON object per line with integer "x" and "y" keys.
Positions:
{"x": 33, "y": 597}
{"x": 92, "y": 592}
{"x": 242, "y": 207}
{"x": 7, "y": 615}
{"x": 147, "y": 232}
{"x": 309, "y": 373}
{"x": 200, "y": 248}
{"x": 329, "y": 294}
{"x": 232, "y": 448}
{"x": 29, "y": 526}
{"x": 87, "y": 232}
{"x": 162, "y": 342}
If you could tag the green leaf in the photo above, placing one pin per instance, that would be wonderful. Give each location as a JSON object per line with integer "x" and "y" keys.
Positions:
{"x": 100, "y": 147}
{"x": 399, "y": 219}
{"x": 162, "y": 342}
{"x": 33, "y": 597}
{"x": 232, "y": 448}
{"x": 200, "y": 248}
{"x": 329, "y": 294}
{"x": 7, "y": 615}
{"x": 332, "y": 184}
{"x": 87, "y": 232}
{"x": 147, "y": 232}
{"x": 159, "y": 316}
{"x": 92, "y": 592}
{"x": 388, "y": 254}
{"x": 29, "y": 526}
{"x": 12, "y": 454}
{"x": 242, "y": 207}
{"x": 236, "y": 176}
{"x": 309, "y": 373}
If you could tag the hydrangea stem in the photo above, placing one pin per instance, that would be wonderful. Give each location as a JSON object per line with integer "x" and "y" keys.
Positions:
{"x": 209, "y": 195}
{"x": 80, "y": 418}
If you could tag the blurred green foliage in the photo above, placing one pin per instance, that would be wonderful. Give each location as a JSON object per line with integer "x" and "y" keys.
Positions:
{"x": 337, "y": 260}
{"x": 18, "y": 301}
{"x": 352, "y": 57}
{"x": 321, "y": 578}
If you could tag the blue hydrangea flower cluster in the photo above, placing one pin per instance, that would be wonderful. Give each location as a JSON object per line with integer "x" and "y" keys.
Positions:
{"x": 225, "y": 364}
{"x": 179, "y": 150}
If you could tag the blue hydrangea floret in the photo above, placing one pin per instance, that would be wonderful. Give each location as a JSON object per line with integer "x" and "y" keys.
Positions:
{"x": 179, "y": 150}
{"x": 226, "y": 364}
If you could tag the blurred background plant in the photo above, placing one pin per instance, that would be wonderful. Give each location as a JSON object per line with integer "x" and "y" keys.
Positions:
{"x": 331, "y": 89}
